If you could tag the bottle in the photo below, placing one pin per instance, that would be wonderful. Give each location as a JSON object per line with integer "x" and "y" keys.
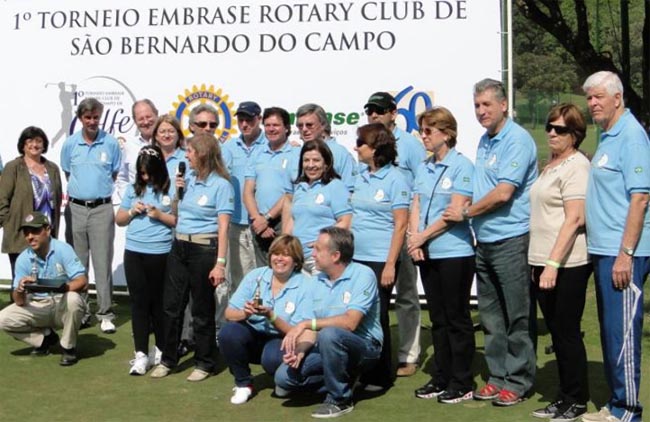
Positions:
{"x": 34, "y": 271}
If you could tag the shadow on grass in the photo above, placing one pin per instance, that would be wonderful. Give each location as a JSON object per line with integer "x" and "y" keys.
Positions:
{"x": 88, "y": 346}
{"x": 91, "y": 345}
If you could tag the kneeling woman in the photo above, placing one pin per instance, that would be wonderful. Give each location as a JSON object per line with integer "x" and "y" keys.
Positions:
{"x": 197, "y": 261}
{"x": 268, "y": 302}
{"x": 147, "y": 211}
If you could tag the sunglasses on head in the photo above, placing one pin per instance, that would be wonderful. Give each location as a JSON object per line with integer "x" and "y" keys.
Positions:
{"x": 377, "y": 110}
{"x": 203, "y": 125}
{"x": 560, "y": 130}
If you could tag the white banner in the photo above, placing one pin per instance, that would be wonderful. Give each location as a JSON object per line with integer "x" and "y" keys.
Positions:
{"x": 278, "y": 54}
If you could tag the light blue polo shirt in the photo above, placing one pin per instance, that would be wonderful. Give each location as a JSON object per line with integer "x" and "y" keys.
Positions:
{"x": 356, "y": 289}
{"x": 453, "y": 175}
{"x": 203, "y": 202}
{"x": 144, "y": 234}
{"x": 2, "y": 167}
{"x": 237, "y": 156}
{"x": 317, "y": 206}
{"x": 375, "y": 197}
{"x": 509, "y": 157}
{"x": 620, "y": 167}
{"x": 274, "y": 173}
{"x": 91, "y": 167}
{"x": 410, "y": 153}
{"x": 173, "y": 161}
{"x": 61, "y": 262}
{"x": 292, "y": 304}
{"x": 344, "y": 163}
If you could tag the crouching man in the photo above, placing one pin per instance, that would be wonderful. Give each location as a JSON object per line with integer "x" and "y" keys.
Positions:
{"x": 33, "y": 317}
{"x": 343, "y": 337}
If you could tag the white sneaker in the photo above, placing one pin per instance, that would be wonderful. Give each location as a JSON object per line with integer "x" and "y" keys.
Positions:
{"x": 107, "y": 326}
{"x": 155, "y": 354}
{"x": 140, "y": 364}
{"x": 242, "y": 394}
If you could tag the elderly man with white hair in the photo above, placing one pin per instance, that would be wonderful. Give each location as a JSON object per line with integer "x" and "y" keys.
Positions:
{"x": 618, "y": 239}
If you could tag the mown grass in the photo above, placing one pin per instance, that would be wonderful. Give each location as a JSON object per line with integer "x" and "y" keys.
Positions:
{"x": 99, "y": 389}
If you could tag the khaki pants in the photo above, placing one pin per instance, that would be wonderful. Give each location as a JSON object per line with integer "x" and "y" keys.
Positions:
{"x": 27, "y": 323}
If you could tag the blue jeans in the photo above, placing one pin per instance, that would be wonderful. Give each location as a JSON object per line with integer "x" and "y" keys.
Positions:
{"x": 335, "y": 359}
{"x": 241, "y": 345}
{"x": 504, "y": 280}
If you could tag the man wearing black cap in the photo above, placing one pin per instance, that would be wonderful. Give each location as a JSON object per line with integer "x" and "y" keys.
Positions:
{"x": 382, "y": 108}
{"x": 33, "y": 317}
{"x": 236, "y": 154}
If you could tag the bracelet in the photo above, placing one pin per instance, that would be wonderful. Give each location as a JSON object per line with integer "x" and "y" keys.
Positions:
{"x": 552, "y": 263}
{"x": 313, "y": 324}
{"x": 273, "y": 318}
{"x": 221, "y": 261}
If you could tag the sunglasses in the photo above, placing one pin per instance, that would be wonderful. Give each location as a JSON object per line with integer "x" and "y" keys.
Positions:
{"x": 203, "y": 125}
{"x": 376, "y": 110}
{"x": 428, "y": 131}
{"x": 560, "y": 130}
{"x": 360, "y": 142}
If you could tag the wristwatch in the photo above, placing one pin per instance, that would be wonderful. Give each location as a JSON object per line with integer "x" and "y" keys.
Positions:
{"x": 465, "y": 213}
{"x": 627, "y": 251}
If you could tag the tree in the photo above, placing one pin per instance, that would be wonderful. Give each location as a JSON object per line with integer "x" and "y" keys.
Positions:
{"x": 570, "y": 24}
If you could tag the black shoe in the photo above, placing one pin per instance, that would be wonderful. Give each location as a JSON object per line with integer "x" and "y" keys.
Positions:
{"x": 555, "y": 408}
{"x": 49, "y": 340}
{"x": 453, "y": 396}
{"x": 184, "y": 348}
{"x": 69, "y": 357}
{"x": 429, "y": 390}
{"x": 571, "y": 414}
{"x": 85, "y": 322}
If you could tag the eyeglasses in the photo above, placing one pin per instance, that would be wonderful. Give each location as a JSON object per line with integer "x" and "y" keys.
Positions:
{"x": 309, "y": 125}
{"x": 560, "y": 130}
{"x": 376, "y": 110}
{"x": 360, "y": 142}
{"x": 167, "y": 132}
{"x": 428, "y": 131}
{"x": 203, "y": 125}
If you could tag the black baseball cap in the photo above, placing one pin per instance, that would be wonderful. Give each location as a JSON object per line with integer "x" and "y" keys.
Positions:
{"x": 382, "y": 100}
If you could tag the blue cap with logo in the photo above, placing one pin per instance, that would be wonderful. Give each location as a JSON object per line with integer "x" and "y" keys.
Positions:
{"x": 249, "y": 108}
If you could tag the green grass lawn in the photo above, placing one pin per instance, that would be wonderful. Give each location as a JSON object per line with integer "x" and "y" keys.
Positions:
{"x": 98, "y": 388}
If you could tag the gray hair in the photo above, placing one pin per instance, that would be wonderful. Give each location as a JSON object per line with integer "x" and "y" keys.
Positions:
{"x": 606, "y": 79}
{"x": 201, "y": 108}
{"x": 146, "y": 101}
{"x": 89, "y": 104}
{"x": 319, "y": 112}
{"x": 493, "y": 85}
{"x": 341, "y": 240}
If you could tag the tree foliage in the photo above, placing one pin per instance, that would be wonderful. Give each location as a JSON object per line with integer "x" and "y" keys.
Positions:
{"x": 588, "y": 34}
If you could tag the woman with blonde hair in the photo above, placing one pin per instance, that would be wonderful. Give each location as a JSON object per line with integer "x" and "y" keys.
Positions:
{"x": 197, "y": 261}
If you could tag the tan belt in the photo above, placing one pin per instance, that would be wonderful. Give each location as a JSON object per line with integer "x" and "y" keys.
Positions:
{"x": 199, "y": 239}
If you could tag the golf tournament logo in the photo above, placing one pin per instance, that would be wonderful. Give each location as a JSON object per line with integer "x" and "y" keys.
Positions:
{"x": 114, "y": 94}
{"x": 202, "y": 95}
